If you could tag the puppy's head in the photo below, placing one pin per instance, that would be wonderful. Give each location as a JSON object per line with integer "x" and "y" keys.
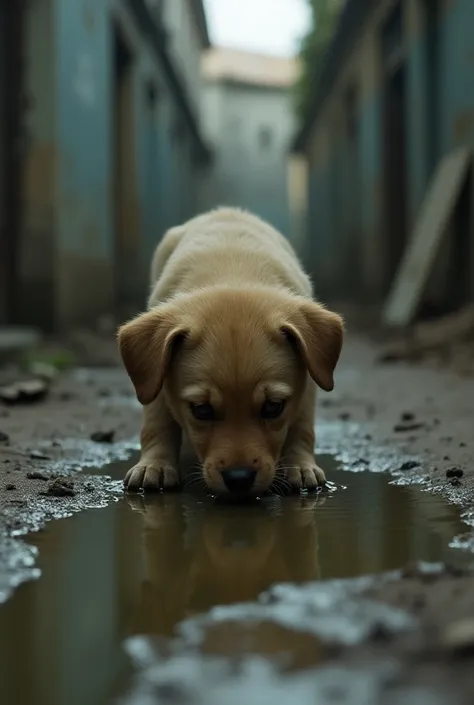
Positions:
{"x": 233, "y": 366}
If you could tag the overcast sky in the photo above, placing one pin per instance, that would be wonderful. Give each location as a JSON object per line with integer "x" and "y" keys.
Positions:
{"x": 257, "y": 25}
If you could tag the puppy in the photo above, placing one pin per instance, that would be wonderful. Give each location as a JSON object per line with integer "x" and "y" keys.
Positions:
{"x": 230, "y": 351}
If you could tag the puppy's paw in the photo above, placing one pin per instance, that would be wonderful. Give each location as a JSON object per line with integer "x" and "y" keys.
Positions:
{"x": 154, "y": 476}
{"x": 306, "y": 475}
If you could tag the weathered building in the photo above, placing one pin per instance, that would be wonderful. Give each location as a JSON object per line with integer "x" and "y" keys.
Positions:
{"x": 248, "y": 115}
{"x": 102, "y": 150}
{"x": 396, "y": 94}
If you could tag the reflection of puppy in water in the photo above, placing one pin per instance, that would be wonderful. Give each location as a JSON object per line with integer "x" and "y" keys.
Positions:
{"x": 214, "y": 556}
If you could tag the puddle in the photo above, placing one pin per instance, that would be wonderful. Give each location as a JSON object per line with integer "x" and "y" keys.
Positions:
{"x": 143, "y": 566}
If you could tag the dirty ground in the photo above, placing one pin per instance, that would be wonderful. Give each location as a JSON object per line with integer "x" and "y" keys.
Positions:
{"x": 405, "y": 636}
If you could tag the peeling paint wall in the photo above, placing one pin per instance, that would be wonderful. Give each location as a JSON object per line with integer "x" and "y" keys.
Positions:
{"x": 86, "y": 238}
{"x": 439, "y": 69}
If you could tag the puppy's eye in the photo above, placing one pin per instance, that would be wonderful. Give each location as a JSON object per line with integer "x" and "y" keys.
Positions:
{"x": 202, "y": 412}
{"x": 272, "y": 409}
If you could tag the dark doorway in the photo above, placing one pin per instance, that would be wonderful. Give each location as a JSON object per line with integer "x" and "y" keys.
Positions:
{"x": 394, "y": 142}
{"x": 11, "y": 55}
{"x": 123, "y": 170}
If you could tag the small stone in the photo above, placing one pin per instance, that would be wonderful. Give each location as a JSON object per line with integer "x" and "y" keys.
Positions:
{"x": 462, "y": 444}
{"x": 454, "y": 472}
{"x": 103, "y": 436}
{"x": 455, "y": 482}
{"x": 407, "y": 426}
{"x": 407, "y": 416}
{"x": 36, "y": 475}
{"x": 4, "y": 437}
{"x": 10, "y": 487}
{"x": 61, "y": 487}
{"x": 26, "y": 392}
{"x": 38, "y": 455}
{"x": 409, "y": 465}
{"x": 459, "y": 637}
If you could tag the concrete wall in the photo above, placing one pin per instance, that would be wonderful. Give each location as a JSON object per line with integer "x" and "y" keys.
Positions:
{"x": 247, "y": 172}
{"x": 86, "y": 241}
{"x": 346, "y": 244}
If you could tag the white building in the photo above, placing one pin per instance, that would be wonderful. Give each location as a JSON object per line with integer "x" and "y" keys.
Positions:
{"x": 248, "y": 117}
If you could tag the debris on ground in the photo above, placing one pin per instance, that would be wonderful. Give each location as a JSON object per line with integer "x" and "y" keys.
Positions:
{"x": 36, "y": 475}
{"x": 459, "y": 637}
{"x": 38, "y": 455}
{"x": 447, "y": 340}
{"x": 61, "y": 487}
{"x": 10, "y": 486}
{"x": 454, "y": 472}
{"x": 103, "y": 436}
{"x": 24, "y": 392}
{"x": 409, "y": 465}
{"x": 408, "y": 426}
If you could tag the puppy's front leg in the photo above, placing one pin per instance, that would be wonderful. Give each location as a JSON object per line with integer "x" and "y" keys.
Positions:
{"x": 160, "y": 444}
{"x": 298, "y": 452}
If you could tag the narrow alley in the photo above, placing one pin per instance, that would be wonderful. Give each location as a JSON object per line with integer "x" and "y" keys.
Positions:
{"x": 348, "y": 126}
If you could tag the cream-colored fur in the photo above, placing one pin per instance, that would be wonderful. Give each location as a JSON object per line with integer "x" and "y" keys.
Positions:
{"x": 232, "y": 327}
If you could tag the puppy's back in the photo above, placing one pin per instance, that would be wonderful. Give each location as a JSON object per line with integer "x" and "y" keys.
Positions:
{"x": 225, "y": 247}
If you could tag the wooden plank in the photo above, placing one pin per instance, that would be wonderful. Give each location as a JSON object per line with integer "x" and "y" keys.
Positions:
{"x": 414, "y": 270}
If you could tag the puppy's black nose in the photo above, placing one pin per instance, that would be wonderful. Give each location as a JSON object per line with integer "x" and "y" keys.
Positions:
{"x": 239, "y": 480}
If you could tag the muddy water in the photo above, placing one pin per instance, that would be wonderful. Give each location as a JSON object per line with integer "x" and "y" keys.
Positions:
{"x": 142, "y": 566}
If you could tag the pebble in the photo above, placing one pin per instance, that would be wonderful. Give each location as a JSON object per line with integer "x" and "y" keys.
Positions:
{"x": 61, "y": 487}
{"x": 35, "y": 475}
{"x": 459, "y": 636}
{"x": 454, "y": 472}
{"x": 103, "y": 436}
{"x": 408, "y": 426}
{"x": 409, "y": 465}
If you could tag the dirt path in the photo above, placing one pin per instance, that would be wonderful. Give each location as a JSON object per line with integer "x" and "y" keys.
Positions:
{"x": 412, "y": 421}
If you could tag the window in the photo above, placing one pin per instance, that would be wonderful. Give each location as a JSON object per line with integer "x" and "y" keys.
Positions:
{"x": 265, "y": 138}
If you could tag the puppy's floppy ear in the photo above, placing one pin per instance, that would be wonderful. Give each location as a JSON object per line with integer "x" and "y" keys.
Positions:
{"x": 318, "y": 335}
{"x": 146, "y": 345}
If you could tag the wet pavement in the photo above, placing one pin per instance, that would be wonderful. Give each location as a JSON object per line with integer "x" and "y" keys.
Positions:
{"x": 171, "y": 586}
{"x": 110, "y": 582}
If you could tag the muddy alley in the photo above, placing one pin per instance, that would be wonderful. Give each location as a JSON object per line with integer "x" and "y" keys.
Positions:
{"x": 361, "y": 593}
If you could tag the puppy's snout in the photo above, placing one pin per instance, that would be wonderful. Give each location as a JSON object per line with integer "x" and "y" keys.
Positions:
{"x": 239, "y": 480}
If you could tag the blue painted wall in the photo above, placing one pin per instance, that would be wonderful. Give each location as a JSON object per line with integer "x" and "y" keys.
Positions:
{"x": 163, "y": 180}
{"x": 83, "y": 83}
{"x": 357, "y": 197}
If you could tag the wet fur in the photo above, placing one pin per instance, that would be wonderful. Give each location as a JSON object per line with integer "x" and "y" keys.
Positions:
{"x": 231, "y": 321}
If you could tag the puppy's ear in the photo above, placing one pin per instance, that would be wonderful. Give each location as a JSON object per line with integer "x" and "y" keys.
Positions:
{"x": 146, "y": 345}
{"x": 318, "y": 335}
